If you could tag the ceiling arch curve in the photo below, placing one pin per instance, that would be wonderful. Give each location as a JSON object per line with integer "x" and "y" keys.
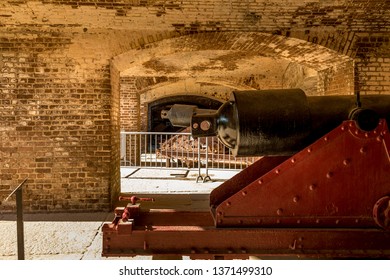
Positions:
{"x": 234, "y": 57}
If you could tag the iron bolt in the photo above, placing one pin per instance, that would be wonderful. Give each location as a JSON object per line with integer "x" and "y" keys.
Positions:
{"x": 205, "y": 125}
{"x": 329, "y": 175}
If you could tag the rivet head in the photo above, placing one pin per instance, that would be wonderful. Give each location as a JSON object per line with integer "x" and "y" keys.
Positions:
{"x": 329, "y": 175}
{"x": 228, "y": 203}
{"x": 326, "y": 138}
{"x": 363, "y": 150}
{"x": 342, "y": 128}
{"x": 244, "y": 193}
{"x": 205, "y": 125}
{"x": 318, "y": 221}
{"x": 296, "y": 199}
{"x": 309, "y": 150}
{"x": 346, "y": 161}
{"x": 260, "y": 181}
{"x": 279, "y": 211}
{"x": 312, "y": 187}
{"x": 379, "y": 138}
{"x": 277, "y": 171}
{"x": 293, "y": 160}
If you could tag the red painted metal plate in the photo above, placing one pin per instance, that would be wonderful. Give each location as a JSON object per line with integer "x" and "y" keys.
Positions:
{"x": 335, "y": 182}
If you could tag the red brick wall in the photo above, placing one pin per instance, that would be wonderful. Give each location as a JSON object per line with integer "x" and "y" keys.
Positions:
{"x": 59, "y": 122}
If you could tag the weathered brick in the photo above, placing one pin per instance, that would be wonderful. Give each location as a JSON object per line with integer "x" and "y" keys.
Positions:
{"x": 60, "y": 95}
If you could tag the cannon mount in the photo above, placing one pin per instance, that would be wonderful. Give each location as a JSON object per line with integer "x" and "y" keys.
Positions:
{"x": 330, "y": 200}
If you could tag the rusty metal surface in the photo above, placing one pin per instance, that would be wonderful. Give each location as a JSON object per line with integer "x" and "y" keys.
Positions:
{"x": 335, "y": 182}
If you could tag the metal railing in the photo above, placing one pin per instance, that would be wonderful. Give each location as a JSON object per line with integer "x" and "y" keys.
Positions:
{"x": 177, "y": 150}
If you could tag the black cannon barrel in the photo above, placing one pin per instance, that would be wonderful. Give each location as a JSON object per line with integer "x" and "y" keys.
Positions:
{"x": 282, "y": 122}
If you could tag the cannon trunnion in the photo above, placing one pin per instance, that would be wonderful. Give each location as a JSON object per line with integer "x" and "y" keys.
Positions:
{"x": 329, "y": 199}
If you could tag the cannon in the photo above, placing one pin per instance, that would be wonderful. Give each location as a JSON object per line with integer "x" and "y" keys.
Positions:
{"x": 321, "y": 188}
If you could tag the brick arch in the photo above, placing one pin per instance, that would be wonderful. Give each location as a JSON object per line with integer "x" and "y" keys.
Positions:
{"x": 154, "y": 108}
{"x": 163, "y": 63}
{"x": 335, "y": 70}
{"x": 169, "y": 90}
{"x": 136, "y": 73}
{"x": 309, "y": 54}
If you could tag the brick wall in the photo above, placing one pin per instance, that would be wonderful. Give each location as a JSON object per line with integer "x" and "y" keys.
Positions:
{"x": 373, "y": 64}
{"x": 55, "y": 122}
{"x": 59, "y": 98}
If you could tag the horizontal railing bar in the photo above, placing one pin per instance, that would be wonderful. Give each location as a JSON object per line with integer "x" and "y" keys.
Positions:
{"x": 176, "y": 150}
{"x": 154, "y": 133}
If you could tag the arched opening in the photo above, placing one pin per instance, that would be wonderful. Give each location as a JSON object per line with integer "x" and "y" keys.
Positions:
{"x": 211, "y": 65}
{"x": 157, "y": 124}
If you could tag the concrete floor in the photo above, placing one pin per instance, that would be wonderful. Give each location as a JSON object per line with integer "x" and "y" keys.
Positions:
{"x": 152, "y": 180}
{"x": 77, "y": 236}
{"x": 54, "y": 236}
